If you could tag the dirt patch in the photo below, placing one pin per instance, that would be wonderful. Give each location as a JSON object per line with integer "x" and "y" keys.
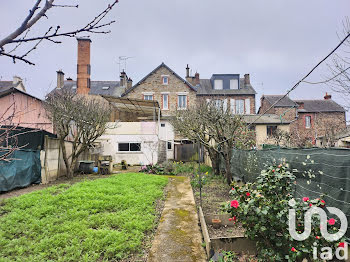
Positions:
{"x": 225, "y": 231}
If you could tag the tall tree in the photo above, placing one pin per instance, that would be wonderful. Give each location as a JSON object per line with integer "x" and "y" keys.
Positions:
{"x": 217, "y": 129}
{"x": 40, "y": 10}
{"x": 80, "y": 119}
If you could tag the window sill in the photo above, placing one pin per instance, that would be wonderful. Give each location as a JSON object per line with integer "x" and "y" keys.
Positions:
{"x": 181, "y": 108}
{"x": 165, "y": 109}
{"x": 129, "y": 152}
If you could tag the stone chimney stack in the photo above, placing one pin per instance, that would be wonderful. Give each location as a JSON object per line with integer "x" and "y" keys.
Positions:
{"x": 246, "y": 79}
{"x": 60, "y": 79}
{"x": 327, "y": 96}
{"x": 196, "y": 79}
{"x": 123, "y": 79}
{"x": 129, "y": 84}
{"x": 83, "y": 66}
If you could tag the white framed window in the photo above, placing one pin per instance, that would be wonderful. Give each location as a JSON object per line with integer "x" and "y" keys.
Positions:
{"x": 218, "y": 103}
{"x": 247, "y": 106}
{"x": 233, "y": 83}
{"x": 232, "y": 106}
{"x": 218, "y": 84}
{"x": 165, "y": 101}
{"x": 148, "y": 97}
{"x": 129, "y": 147}
{"x": 165, "y": 80}
{"x": 182, "y": 101}
{"x": 307, "y": 121}
{"x": 239, "y": 106}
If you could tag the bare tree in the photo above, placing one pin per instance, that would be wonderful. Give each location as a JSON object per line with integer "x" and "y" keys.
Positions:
{"x": 21, "y": 35}
{"x": 217, "y": 129}
{"x": 339, "y": 68}
{"x": 78, "y": 118}
{"x": 281, "y": 138}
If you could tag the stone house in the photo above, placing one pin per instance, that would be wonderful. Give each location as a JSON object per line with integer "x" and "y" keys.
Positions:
{"x": 309, "y": 119}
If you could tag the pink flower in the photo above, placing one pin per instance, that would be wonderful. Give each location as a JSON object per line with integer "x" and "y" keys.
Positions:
{"x": 233, "y": 188}
{"x": 317, "y": 237}
{"x": 230, "y": 219}
{"x": 273, "y": 170}
{"x": 293, "y": 249}
{"x": 234, "y": 203}
{"x": 341, "y": 244}
{"x": 305, "y": 199}
{"x": 280, "y": 165}
{"x": 331, "y": 221}
{"x": 247, "y": 194}
{"x": 310, "y": 205}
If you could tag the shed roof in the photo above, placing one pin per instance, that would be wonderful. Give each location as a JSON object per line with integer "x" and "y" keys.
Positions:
{"x": 316, "y": 106}
{"x": 264, "y": 119}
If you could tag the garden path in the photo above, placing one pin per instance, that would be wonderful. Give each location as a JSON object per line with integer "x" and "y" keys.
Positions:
{"x": 178, "y": 237}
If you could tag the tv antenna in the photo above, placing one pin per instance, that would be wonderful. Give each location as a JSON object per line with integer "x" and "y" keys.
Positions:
{"x": 122, "y": 62}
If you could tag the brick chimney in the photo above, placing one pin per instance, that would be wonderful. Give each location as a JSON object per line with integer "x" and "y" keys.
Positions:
{"x": 196, "y": 78}
{"x": 83, "y": 66}
{"x": 60, "y": 79}
{"x": 327, "y": 96}
{"x": 246, "y": 79}
{"x": 187, "y": 71}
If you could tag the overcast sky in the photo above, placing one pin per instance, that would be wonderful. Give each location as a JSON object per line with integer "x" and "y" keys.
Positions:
{"x": 276, "y": 41}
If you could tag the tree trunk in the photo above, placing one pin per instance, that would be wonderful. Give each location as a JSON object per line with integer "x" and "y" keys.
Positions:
{"x": 228, "y": 170}
{"x": 215, "y": 158}
{"x": 69, "y": 172}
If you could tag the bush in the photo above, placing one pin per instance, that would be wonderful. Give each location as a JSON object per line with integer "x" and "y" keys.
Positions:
{"x": 153, "y": 169}
{"x": 262, "y": 209}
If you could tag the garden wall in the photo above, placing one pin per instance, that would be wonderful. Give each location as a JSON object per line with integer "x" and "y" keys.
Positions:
{"x": 318, "y": 171}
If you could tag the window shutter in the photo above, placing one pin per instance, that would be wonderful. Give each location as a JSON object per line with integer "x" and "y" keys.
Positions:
{"x": 233, "y": 106}
{"x": 247, "y": 106}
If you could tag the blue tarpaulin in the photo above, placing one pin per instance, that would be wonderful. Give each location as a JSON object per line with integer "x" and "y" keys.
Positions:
{"x": 22, "y": 171}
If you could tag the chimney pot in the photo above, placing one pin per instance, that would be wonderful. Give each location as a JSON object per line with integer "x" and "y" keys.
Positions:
{"x": 246, "y": 79}
{"x": 16, "y": 80}
{"x": 187, "y": 71}
{"x": 129, "y": 83}
{"x": 327, "y": 96}
{"x": 60, "y": 79}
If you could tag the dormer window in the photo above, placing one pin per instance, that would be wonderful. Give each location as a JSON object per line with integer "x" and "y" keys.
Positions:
{"x": 165, "y": 80}
{"x": 233, "y": 83}
{"x": 218, "y": 84}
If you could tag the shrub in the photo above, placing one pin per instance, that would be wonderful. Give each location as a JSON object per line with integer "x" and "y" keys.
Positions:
{"x": 262, "y": 209}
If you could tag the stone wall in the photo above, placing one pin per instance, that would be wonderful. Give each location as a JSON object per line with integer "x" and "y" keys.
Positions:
{"x": 153, "y": 84}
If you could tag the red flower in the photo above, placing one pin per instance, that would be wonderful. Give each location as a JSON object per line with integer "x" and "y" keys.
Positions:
{"x": 229, "y": 219}
{"x": 305, "y": 199}
{"x": 293, "y": 249}
{"x": 317, "y": 237}
{"x": 273, "y": 170}
{"x": 280, "y": 165}
{"x": 341, "y": 244}
{"x": 331, "y": 221}
{"x": 232, "y": 188}
{"x": 234, "y": 203}
{"x": 310, "y": 205}
{"x": 247, "y": 194}
{"x": 234, "y": 218}
{"x": 323, "y": 203}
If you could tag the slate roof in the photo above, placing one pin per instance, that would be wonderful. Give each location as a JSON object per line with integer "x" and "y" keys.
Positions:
{"x": 314, "y": 106}
{"x": 205, "y": 88}
{"x": 4, "y": 91}
{"x": 99, "y": 87}
{"x": 264, "y": 119}
{"x": 7, "y": 84}
{"x": 285, "y": 101}
{"x": 154, "y": 70}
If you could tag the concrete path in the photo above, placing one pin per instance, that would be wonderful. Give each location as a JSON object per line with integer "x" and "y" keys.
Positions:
{"x": 178, "y": 237}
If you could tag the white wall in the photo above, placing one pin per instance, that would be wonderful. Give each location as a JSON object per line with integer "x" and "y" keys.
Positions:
{"x": 166, "y": 133}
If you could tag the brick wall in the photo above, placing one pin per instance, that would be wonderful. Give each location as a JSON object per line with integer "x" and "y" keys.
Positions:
{"x": 289, "y": 113}
{"x": 83, "y": 66}
{"x": 321, "y": 124}
{"x": 264, "y": 105}
{"x": 154, "y": 84}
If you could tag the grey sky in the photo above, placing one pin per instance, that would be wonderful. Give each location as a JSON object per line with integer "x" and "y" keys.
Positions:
{"x": 275, "y": 41}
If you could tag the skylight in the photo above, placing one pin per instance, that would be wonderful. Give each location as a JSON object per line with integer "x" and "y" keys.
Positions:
{"x": 105, "y": 87}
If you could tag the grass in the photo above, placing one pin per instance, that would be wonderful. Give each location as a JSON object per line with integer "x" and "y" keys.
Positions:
{"x": 100, "y": 220}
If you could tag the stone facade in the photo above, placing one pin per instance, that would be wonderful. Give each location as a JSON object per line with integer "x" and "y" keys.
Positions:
{"x": 153, "y": 85}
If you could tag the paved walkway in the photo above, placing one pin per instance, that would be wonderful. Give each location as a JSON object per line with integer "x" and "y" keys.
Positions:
{"x": 178, "y": 237}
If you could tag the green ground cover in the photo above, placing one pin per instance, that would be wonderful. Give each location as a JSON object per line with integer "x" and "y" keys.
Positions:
{"x": 100, "y": 220}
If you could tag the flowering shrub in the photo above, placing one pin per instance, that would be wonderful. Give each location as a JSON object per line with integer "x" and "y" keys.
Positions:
{"x": 262, "y": 209}
{"x": 153, "y": 169}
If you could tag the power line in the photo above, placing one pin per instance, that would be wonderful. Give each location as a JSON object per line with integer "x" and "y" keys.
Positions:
{"x": 326, "y": 81}
{"x": 297, "y": 84}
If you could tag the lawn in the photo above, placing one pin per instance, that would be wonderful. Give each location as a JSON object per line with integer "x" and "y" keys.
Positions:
{"x": 100, "y": 220}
